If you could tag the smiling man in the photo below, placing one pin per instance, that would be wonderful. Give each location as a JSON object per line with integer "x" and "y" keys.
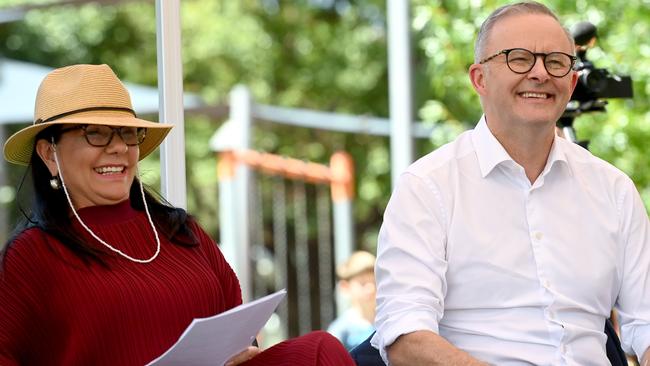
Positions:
{"x": 510, "y": 246}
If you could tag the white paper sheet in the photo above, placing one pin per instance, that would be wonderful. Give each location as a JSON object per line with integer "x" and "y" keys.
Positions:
{"x": 214, "y": 340}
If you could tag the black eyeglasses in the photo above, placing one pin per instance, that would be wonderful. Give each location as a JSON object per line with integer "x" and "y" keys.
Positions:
{"x": 521, "y": 61}
{"x": 101, "y": 135}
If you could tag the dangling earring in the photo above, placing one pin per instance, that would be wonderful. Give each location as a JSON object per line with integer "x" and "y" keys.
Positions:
{"x": 55, "y": 183}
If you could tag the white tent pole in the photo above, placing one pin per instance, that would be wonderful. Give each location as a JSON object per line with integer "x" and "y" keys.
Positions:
{"x": 241, "y": 102}
{"x": 399, "y": 87}
{"x": 170, "y": 86}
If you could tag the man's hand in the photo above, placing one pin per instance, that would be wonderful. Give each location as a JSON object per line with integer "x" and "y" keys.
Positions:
{"x": 243, "y": 356}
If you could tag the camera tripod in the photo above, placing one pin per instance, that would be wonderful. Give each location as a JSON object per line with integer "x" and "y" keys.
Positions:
{"x": 565, "y": 124}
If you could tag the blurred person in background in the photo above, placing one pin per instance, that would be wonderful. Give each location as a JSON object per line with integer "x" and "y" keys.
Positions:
{"x": 357, "y": 284}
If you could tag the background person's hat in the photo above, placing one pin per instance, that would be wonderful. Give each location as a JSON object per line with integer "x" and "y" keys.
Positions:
{"x": 359, "y": 262}
{"x": 82, "y": 94}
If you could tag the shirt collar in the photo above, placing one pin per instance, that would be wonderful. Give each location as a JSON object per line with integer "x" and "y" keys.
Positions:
{"x": 491, "y": 153}
{"x": 558, "y": 154}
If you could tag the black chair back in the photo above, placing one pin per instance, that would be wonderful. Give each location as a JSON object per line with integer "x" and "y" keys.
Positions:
{"x": 366, "y": 355}
{"x": 615, "y": 352}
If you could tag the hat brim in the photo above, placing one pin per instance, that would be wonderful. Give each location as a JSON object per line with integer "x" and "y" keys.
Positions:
{"x": 19, "y": 147}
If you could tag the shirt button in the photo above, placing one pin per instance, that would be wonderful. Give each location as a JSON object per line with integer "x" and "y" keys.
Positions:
{"x": 538, "y": 235}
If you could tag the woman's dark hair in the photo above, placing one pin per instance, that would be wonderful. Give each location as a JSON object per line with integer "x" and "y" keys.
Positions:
{"x": 47, "y": 205}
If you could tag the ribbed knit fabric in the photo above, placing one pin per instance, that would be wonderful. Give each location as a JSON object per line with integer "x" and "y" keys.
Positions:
{"x": 56, "y": 310}
{"x": 317, "y": 348}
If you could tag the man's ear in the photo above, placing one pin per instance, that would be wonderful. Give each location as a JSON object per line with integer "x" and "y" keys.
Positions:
{"x": 574, "y": 80}
{"x": 477, "y": 77}
{"x": 45, "y": 151}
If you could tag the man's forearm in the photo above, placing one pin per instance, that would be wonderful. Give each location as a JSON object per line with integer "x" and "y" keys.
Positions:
{"x": 427, "y": 348}
{"x": 645, "y": 360}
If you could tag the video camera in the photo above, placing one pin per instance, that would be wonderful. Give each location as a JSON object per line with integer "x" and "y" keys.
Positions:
{"x": 593, "y": 84}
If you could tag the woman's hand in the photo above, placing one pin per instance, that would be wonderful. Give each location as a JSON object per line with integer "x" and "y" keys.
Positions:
{"x": 243, "y": 356}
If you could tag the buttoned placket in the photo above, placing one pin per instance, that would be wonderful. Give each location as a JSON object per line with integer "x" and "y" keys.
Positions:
{"x": 541, "y": 257}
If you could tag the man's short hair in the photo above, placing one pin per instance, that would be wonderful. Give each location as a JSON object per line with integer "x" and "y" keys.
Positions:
{"x": 526, "y": 7}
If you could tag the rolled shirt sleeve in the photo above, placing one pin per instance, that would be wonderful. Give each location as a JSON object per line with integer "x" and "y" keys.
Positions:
{"x": 633, "y": 302}
{"x": 411, "y": 264}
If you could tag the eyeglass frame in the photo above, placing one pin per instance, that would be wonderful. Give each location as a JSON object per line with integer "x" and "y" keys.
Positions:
{"x": 114, "y": 130}
{"x": 507, "y": 51}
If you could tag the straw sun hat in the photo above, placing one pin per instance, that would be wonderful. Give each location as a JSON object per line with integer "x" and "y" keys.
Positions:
{"x": 82, "y": 94}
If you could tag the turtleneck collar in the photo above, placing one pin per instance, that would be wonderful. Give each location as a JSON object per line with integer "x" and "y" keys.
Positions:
{"x": 108, "y": 214}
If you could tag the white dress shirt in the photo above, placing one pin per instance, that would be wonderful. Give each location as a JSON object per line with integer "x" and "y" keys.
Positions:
{"x": 511, "y": 272}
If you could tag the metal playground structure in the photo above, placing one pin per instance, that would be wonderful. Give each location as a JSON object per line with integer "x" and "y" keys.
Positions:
{"x": 306, "y": 206}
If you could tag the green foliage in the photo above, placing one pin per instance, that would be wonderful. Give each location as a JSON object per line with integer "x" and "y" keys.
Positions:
{"x": 331, "y": 55}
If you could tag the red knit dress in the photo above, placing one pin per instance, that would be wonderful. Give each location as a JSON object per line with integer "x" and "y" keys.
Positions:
{"x": 57, "y": 310}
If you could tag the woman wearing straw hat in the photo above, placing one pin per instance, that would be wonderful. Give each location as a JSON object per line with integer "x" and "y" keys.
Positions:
{"x": 102, "y": 272}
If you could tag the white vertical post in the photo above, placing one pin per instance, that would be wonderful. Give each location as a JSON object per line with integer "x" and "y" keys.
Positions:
{"x": 342, "y": 170}
{"x": 343, "y": 230}
{"x": 227, "y": 218}
{"x": 399, "y": 86}
{"x": 241, "y": 117}
{"x": 343, "y": 244}
{"x": 170, "y": 86}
